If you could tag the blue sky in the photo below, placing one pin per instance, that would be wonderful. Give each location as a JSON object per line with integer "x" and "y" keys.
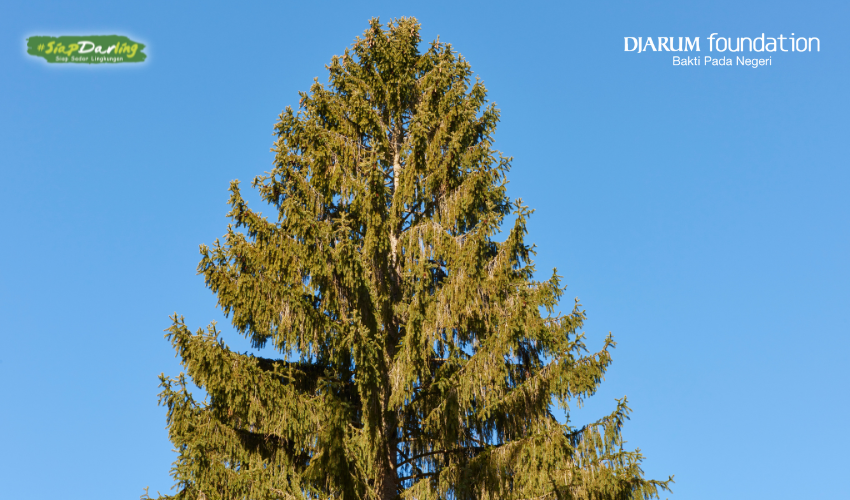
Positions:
{"x": 699, "y": 213}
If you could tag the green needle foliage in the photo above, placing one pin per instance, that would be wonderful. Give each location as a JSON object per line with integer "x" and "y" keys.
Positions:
{"x": 419, "y": 357}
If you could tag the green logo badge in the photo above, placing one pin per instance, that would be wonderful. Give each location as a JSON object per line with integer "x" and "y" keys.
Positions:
{"x": 95, "y": 49}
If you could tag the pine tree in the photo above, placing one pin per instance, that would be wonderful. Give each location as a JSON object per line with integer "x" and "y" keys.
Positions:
{"x": 419, "y": 358}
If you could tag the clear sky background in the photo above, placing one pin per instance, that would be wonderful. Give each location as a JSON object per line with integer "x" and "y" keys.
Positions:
{"x": 699, "y": 213}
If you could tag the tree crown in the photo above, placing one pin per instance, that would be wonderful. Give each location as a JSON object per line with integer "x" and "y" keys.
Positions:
{"x": 420, "y": 356}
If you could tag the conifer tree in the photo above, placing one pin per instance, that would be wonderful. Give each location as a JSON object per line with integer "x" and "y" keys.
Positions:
{"x": 419, "y": 357}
